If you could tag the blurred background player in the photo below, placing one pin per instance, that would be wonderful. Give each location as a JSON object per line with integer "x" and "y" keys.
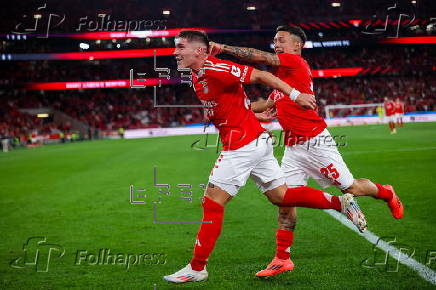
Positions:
{"x": 380, "y": 113}
{"x": 399, "y": 112}
{"x": 247, "y": 149}
{"x": 390, "y": 109}
{"x": 322, "y": 162}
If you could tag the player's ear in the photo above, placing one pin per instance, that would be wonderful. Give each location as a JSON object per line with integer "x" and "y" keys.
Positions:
{"x": 198, "y": 51}
{"x": 300, "y": 45}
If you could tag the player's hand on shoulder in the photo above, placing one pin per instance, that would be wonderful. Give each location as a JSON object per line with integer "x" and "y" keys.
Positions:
{"x": 215, "y": 48}
{"x": 267, "y": 116}
{"x": 306, "y": 100}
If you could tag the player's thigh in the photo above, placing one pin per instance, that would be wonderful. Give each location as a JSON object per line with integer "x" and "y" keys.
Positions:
{"x": 325, "y": 164}
{"x": 267, "y": 173}
{"x": 293, "y": 171}
{"x": 233, "y": 168}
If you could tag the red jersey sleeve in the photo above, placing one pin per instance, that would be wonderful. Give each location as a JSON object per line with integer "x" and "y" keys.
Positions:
{"x": 289, "y": 60}
{"x": 229, "y": 72}
{"x": 240, "y": 73}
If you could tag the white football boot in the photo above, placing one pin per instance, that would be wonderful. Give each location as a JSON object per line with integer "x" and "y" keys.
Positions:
{"x": 187, "y": 275}
{"x": 351, "y": 210}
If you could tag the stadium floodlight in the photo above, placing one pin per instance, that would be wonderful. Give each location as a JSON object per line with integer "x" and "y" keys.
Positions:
{"x": 166, "y": 12}
{"x": 83, "y": 45}
{"x": 251, "y": 8}
{"x": 42, "y": 115}
{"x": 336, "y": 4}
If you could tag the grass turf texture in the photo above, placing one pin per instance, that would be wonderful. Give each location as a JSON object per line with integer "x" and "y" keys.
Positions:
{"x": 77, "y": 195}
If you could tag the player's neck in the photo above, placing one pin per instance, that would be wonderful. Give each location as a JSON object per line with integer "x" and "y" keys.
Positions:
{"x": 297, "y": 52}
{"x": 198, "y": 65}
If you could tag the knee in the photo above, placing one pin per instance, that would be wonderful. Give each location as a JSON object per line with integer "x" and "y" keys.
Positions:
{"x": 276, "y": 195}
{"x": 276, "y": 200}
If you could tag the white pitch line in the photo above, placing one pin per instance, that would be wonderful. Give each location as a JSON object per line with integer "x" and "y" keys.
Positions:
{"x": 423, "y": 271}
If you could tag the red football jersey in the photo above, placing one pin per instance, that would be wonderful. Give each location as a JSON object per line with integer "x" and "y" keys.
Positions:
{"x": 298, "y": 123}
{"x": 399, "y": 108}
{"x": 389, "y": 108}
{"x": 218, "y": 85}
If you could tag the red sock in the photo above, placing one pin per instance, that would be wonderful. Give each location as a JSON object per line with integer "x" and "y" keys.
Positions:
{"x": 383, "y": 193}
{"x": 208, "y": 233}
{"x": 284, "y": 240}
{"x": 304, "y": 196}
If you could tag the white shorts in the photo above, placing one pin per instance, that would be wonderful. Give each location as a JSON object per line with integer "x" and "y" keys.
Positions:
{"x": 319, "y": 159}
{"x": 255, "y": 160}
{"x": 269, "y": 126}
{"x": 391, "y": 118}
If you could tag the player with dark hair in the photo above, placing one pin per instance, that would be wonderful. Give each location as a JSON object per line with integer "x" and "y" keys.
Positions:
{"x": 247, "y": 148}
{"x": 322, "y": 162}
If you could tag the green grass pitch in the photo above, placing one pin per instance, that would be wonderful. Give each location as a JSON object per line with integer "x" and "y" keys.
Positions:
{"x": 77, "y": 197}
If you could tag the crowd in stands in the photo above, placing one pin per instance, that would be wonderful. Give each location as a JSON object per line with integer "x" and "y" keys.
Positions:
{"x": 16, "y": 74}
{"x": 111, "y": 109}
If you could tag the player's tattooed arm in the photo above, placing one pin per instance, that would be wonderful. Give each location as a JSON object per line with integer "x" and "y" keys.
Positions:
{"x": 252, "y": 55}
{"x": 245, "y": 53}
{"x": 269, "y": 80}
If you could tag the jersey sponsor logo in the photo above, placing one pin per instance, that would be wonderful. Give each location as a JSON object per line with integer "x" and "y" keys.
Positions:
{"x": 208, "y": 107}
{"x": 244, "y": 74}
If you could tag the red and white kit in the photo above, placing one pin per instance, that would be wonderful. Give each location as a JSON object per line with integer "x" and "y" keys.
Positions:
{"x": 390, "y": 110}
{"x": 399, "y": 111}
{"x": 304, "y": 158}
{"x": 247, "y": 148}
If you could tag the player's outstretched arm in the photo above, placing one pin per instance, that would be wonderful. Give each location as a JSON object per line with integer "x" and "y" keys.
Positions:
{"x": 245, "y": 53}
{"x": 269, "y": 80}
{"x": 262, "y": 105}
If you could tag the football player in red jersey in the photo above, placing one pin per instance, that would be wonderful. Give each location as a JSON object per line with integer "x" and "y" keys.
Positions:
{"x": 303, "y": 127}
{"x": 390, "y": 109}
{"x": 399, "y": 112}
{"x": 247, "y": 148}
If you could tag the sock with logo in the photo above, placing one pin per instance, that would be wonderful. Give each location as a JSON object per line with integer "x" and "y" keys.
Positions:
{"x": 383, "y": 193}
{"x": 213, "y": 214}
{"x": 304, "y": 196}
{"x": 284, "y": 240}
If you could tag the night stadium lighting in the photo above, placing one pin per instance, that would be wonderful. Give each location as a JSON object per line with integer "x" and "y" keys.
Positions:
{"x": 83, "y": 45}
{"x": 166, "y": 12}
{"x": 336, "y": 4}
{"x": 42, "y": 115}
{"x": 413, "y": 1}
{"x": 251, "y": 8}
